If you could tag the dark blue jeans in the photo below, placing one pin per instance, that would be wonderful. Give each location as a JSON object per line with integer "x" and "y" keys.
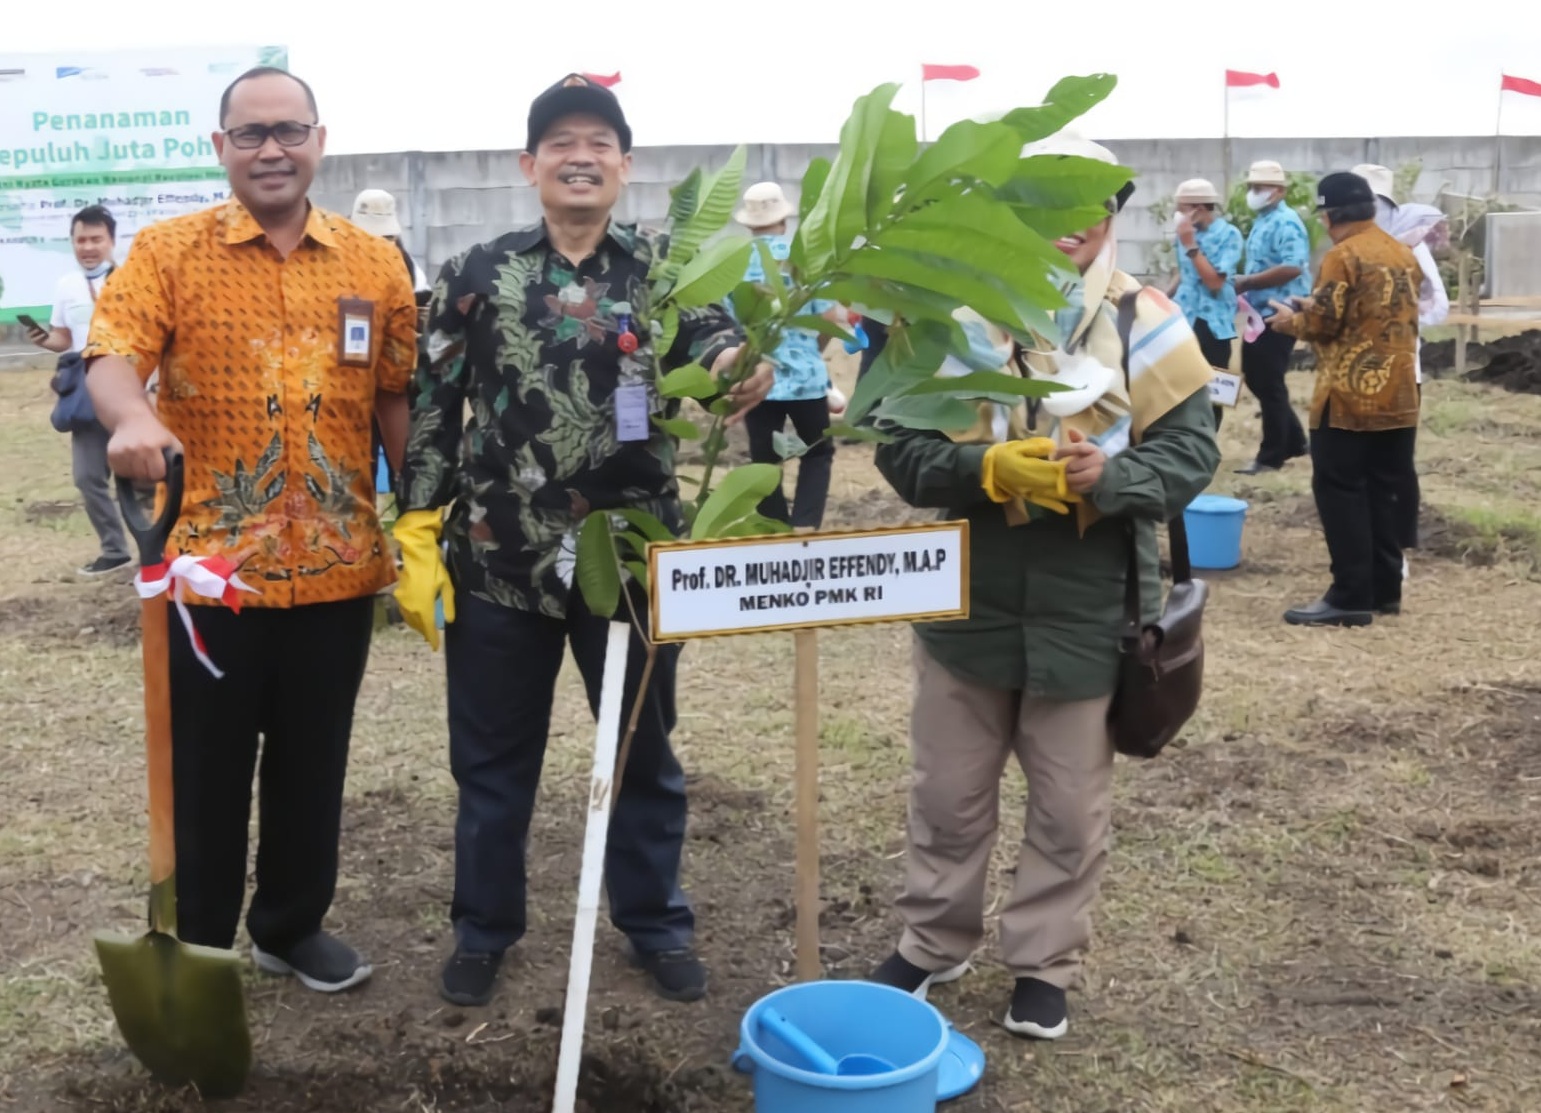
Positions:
{"x": 502, "y": 667}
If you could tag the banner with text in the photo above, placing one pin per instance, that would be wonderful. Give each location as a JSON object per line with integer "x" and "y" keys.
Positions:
{"x": 798, "y": 581}
{"x": 127, "y": 129}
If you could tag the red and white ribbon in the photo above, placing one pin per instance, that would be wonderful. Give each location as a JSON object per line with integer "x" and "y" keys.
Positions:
{"x": 212, "y": 577}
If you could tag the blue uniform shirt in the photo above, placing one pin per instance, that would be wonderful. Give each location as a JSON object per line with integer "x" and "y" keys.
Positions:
{"x": 1278, "y": 238}
{"x": 1221, "y": 245}
{"x": 800, "y": 371}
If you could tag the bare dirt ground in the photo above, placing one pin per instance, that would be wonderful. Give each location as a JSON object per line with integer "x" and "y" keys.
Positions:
{"x": 1327, "y": 898}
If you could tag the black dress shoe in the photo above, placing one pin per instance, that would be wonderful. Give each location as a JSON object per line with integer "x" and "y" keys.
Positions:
{"x": 1255, "y": 468}
{"x": 1392, "y": 608}
{"x": 1323, "y": 613}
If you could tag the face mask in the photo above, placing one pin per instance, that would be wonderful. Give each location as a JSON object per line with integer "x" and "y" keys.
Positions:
{"x": 100, "y": 269}
{"x": 1258, "y": 199}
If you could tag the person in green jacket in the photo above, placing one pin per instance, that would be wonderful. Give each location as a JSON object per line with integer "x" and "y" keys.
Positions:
{"x": 1051, "y": 490}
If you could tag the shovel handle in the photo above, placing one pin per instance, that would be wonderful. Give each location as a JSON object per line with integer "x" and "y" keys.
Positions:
{"x": 151, "y": 537}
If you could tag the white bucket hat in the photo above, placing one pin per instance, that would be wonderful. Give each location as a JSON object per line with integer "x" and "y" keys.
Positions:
{"x": 374, "y": 210}
{"x": 1382, "y": 180}
{"x": 1266, "y": 172}
{"x": 764, "y": 205}
{"x": 1197, "y": 191}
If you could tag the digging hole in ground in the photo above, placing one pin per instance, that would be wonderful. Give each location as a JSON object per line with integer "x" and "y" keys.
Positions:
{"x": 424, "y": 1083}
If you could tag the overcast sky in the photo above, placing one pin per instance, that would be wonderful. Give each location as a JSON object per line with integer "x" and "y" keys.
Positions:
{"x": 393, "y": 75}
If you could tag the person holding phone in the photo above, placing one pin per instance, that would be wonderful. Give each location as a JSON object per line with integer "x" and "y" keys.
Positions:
{"x": 93, "y": 234}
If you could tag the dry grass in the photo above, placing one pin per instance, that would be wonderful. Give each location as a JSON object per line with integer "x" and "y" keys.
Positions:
{"x": 1325, "y": 900}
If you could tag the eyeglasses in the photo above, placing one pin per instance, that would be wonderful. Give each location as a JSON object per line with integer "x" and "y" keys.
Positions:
{"x": 289, "y": 133}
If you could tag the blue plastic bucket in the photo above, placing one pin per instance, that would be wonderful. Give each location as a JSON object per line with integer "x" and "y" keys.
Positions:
{"x": 1214, "y": 531}
{"x": 847, "y": 1018}
{"x": 382, "y": 475}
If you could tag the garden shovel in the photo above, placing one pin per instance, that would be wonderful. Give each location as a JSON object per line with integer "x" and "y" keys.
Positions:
{"x": 181, "y": 1007}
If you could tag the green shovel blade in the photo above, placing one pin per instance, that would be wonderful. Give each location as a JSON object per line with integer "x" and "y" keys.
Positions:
{"x": 181, "y": 1008}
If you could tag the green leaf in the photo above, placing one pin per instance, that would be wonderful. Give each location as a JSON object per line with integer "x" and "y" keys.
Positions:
{"x": 739, "y": 492}
{"x": 774, "y": 279}
{"x": 685, "y": 198}
{"x": 671, "y": 327}
{"x": 1071, "y": 97}
{"x": 631, "y": 541}
{"x": 859, "y": 433}
{"x": 875, "y": 297}
{"x": 638, "y": 572}
{"x": 948, "y": 276}
{"x": 644, "y": 523}
{"x": 978, "y": 383}
{"x": 912, "y": 355}
{"x": 719, "y": 193}
{"x": 599, "y": 576}
{"x": 788, "y": 446}
{"x": 986, "y": 152}
{"x": 928, "y": 412}
{"x": 1063, "y": 182}
{"x": 813, "y": 322}
{"x": 711, "y": 273}
{"x": 896, "y": 148}
{"x": 1051, "y": 224}
{"x": 754, "y": 525}
{"x": 839, "y": 214}
{"x": 812, "y": 186}
{"x": 683, "y": 428}
{"x": 690, "y": 381}
{"x": 753, "y": 304}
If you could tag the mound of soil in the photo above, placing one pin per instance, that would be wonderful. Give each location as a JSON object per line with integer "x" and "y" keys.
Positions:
{"x": 1510, "y": 362}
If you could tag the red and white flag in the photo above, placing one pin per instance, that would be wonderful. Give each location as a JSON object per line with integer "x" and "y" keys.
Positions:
{"x": 1241, "y": 79}
{"x": 1521, "y": 85}
{"x": 931, "y": 72}
{"x": 608, "y": 80}
{"x": 211, "y": 577}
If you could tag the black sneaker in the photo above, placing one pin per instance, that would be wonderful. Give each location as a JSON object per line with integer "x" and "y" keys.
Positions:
{"x": 1037, "y": 1010}
{"x": 677, "y": 975}
{"x": 469, "y": 977}
{"x": 103, "y": 565}
{"x": 321, "y": 962}
{"x": 901, "y": 973}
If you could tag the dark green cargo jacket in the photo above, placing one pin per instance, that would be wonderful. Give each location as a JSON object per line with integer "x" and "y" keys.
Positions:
{"x": 1045, "y": 605}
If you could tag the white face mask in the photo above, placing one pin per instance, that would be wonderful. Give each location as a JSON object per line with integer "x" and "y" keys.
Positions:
{"x": 1259, "y": 198}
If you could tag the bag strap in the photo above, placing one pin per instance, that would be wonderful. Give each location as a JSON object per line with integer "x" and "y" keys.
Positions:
{"x": 1177, "y": 529}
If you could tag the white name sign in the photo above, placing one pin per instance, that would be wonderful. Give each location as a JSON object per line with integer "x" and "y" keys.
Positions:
{"x": 1224, "y": 388}
{"x": 703, "y": 589}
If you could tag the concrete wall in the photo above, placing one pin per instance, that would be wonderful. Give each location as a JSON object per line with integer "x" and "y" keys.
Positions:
{"x": 451, "y": 200}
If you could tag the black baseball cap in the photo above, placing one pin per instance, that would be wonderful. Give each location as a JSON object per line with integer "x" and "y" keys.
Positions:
{"x": 574, "y": 94}
{"x": 1342, "y": 189}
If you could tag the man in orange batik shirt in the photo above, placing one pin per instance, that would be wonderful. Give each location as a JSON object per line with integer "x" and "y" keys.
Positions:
{"x": 281, "y": 332}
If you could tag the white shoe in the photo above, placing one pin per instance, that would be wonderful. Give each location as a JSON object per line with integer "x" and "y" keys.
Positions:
{"x": 1404, "y": 568}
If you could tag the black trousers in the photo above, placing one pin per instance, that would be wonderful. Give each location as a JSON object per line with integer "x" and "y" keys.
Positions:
{"x": 809, "y": 417}
{"x": 1263, "y": 365}
{"x": 1217, "y": 352}
{"x": 291, "y": 677}
{"x": 502, "y": 667}
{"x": 1357, "y": 479}
{"x": 877, "y": 340}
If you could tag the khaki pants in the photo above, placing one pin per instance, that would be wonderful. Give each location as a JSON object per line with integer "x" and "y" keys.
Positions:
{"x": 960, "y": 735}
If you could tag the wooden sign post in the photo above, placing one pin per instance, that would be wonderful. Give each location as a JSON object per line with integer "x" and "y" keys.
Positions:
{"x": 707, "y": 589}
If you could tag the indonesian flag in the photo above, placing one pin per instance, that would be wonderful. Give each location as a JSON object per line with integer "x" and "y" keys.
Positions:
{"x": 211, "y": 577}
{"x": 606, "y": 79}
{"x": 1241, "y": 79}
{"x": 1521, "y": 85}
{"x": 932, "y": 72}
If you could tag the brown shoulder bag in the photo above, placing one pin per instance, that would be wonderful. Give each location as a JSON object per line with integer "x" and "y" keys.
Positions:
{"x": 1161, "y": 673}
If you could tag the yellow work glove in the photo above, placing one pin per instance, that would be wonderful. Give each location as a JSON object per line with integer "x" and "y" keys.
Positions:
{"x": 1022, "y": 470}
{"x": 424, "y": 581}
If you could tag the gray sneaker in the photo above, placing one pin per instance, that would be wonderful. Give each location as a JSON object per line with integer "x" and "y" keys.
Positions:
{"x": 321, "y": 962}
{"x": 103, "y": 565}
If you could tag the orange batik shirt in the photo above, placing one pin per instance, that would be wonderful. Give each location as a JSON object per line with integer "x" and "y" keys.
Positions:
{"x": 268, "y": 373}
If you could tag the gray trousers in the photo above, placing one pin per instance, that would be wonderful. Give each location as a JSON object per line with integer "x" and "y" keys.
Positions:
{"x": 93, "y": 479}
